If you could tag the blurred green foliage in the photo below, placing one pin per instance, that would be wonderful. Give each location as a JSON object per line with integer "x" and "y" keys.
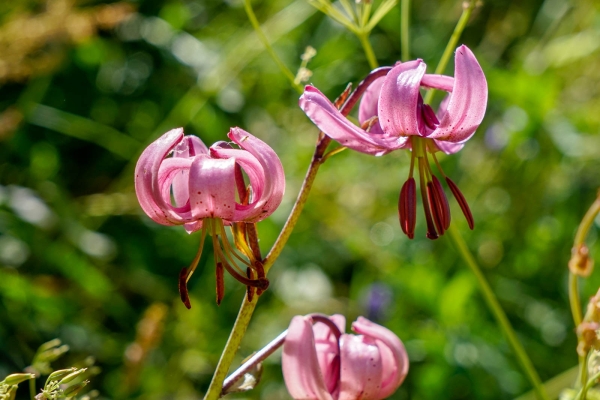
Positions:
{"x": 86, "y": 85}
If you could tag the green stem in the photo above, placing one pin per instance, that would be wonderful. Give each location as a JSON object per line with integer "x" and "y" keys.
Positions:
{"x": 499, "y": 314}
{"x": 582, "y": 393}
{"x": 247, "y": 308}
{"x": 460, "y": 27}
{"x": 587, "y": 221}
{"x": 263, "y": 38}
{"x": 574, "y": 299}
{"x": 364, "y": 40}
{"x": 404, "y": 29}
{"x": 233, "y": 343}
{"x": 32, "y": 388}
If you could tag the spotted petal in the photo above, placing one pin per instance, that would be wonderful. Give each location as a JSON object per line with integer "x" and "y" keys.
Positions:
{"x": 398, "y": 102}
{"x": 467, "y": 102}
{"x": 264, "y": 170}
{"x": 361, "y": 372}
{"x": 393, "y": 354}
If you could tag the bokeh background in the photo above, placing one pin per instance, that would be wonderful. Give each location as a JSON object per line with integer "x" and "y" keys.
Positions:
{"x": 86, "y": 85}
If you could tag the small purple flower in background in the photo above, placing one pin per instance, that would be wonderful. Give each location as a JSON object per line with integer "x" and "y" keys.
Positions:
{"x": 321, "y": 363}
{"x": 378, "y": 301}
{"x": 393, "y": 116}
{"x": 204, "y": 189}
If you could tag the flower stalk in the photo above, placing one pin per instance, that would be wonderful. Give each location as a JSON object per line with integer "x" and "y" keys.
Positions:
{"x": 580, "y": 265}
{"x": 499, "y": 314}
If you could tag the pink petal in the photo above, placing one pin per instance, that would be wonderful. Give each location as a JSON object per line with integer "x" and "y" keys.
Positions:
{"x": 468, "y": 100}
{"x": 301, "y": 371}
{"x": 146, "y": 179}
{"x": 328, "y": 351}
{"x": 398, "y": 111}
{"x": 368, "y": 105}
{"x": 448, "y": 147}
{"x": 361, "y": 369}
{"x": 212, "y": 188}
{"x": 274, "y": 187}
{"x": 170, "y": 170}
{"x": 393, "y": 354}
{"x": 439, "y": 82}
{"x": 190, "y": 146}
{"x": 328, "y": 119}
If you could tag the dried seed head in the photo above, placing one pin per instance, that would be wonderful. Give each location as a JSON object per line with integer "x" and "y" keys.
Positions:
{"x": 581, "y": 264}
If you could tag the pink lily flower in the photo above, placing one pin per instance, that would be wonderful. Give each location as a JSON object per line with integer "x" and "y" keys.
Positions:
{"x": 393, "y": 116}
{"x": 321, "y": 363}
{"x": 179, "y": 181}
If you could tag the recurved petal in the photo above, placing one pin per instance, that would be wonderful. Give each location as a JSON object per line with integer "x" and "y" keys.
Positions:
{"x": 329, "y": 120}
{"x": 274, "y": 178}
{"x": 212, "y": 188}
{"x": 368, "y": 105}
{"x": 448, "y": 147}
{"x": 393, "y": 354}
{"x": 361, "y": 369}
{"x": 467, "y": 102}
{"x": 190, "y": 146}
{"x": 328, "y": 351}
{"x": 301, "y": 371}
{"x": 146, "y": 179}
{"x": 398, "y": 111}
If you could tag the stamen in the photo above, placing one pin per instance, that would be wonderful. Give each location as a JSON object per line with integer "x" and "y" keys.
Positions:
{"x": 431, "y": 232}
{"x": 462, "y": 202}
{"x": 238, "y": 230}
{"x": 253, "y": 240}
{"x": 262, "y": 283}
{"x": 436, "y": 208}
{"x": 407, "y": 207}
{"x": 443, "y": 200}
{"x": 186, "y": 273}
{"x": 183, "y": 292}
{"x": 228, "y": 250}
{"x": 260, "y": 271}
{"x": 220, "y": 282}
{"x": 249, "y": 289}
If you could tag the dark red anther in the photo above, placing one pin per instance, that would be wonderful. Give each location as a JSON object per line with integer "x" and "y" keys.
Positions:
{"x": 443, "y": 200}
{"x": 260, "y": 271}
{"x": 407, "y": 207}
{"x": 436, "y": 208}
{"x": 249, "y": 289}
{"x": 183, "y": 291}
{"x": 462, "y": 202}
{"x": 220, "y": 282}
{"x": 431, "y": 232}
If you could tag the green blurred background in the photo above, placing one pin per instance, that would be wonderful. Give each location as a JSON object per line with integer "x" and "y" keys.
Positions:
{"x": 86, "y": 85}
